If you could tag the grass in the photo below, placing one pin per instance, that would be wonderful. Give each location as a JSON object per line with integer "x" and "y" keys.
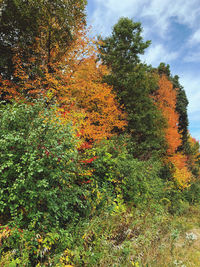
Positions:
{"x": 141, "y": 238}
{"x": 148, "y": 236}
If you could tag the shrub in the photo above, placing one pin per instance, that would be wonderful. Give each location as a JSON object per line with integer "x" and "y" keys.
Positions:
{"x": 192, "y": 194}
{"x": 136, "y": 181}
{"x": 38, "y": 178}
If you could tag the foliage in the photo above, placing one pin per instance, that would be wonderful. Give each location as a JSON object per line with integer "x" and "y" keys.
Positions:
{"x": 133, "y": 83}
{"x": 31, "y": 247}
{"x": 126, "y": 178}
{"x": 193, "y": 153}
{"x": 143, "y": 183}
{"x": 22, "y": 23}
{"x": 181, "y": 106}
{"x": 94, "y": 100}
{"x": 38, "y": 169}
{"x": 76, "y": 86}
{"x": 166, "y": 102}
{"x": 102, "y": 170}
{"x": 192, "y": 194}
{"x": 181, "y": 109}
{"x": 124, "y": 46}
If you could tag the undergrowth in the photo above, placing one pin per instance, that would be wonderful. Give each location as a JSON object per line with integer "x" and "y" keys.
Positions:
{"x": 64, "y": 206}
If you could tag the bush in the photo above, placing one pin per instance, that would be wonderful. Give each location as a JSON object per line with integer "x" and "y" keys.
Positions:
{"x": 192, "y": 193}
{"x": 142, "y": 182}
{"x": 117, "y": 171}
{"x": 38, "y": 169}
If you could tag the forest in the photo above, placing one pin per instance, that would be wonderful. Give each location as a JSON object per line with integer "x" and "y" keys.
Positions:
{"x": 97, "y": 165}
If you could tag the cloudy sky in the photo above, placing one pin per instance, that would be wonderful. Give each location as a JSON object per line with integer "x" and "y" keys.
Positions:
{"x": 173, "y": 26}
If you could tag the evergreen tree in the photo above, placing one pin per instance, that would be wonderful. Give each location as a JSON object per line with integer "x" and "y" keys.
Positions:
{"x": 164, "y": 69}
{"x": 133, "y": 82}
{"x": 181, "y": 109}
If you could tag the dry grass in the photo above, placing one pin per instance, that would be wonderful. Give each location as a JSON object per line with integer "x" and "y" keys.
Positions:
{"x": 149, "y": 239}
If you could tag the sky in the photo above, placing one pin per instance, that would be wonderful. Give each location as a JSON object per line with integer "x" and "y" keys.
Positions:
{"x": 173, "y": 28}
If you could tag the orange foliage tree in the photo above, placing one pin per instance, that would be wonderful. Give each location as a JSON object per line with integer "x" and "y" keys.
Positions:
{"x": 74, "y": 83}
{"x": 94, "y": 100}
{"x": 85, "y": 99}
{"x": 166, "y": 102}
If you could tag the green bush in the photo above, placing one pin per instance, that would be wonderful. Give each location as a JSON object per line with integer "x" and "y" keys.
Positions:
{"x": 116, "y": 170}
{"x": 192, "y": 194}
{"x": 38, "y": 169}
{"x": 142, "y": 182}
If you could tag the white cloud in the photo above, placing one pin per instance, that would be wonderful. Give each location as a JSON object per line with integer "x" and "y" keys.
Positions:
{"x": 195, "y": 38}
{"x": 125, "y": 7}
{"x": 192, "y": 56}
{"x": 159, "y": 12}
{"x": 107, "y": 13}
{"x": 191, "y": 84}
{"x": 158, "y": 53}
{"x": 184, "y": 12}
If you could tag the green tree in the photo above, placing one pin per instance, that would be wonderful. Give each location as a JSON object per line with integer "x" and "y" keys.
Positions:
{"x": 133, "y": 82}
{"x": 164, "y": 69}
{"x": 121, "y": 50}
{"x": 181, "y": 109}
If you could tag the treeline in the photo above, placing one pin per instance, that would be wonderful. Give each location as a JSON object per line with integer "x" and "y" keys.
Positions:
{"x": 86, "y": 126}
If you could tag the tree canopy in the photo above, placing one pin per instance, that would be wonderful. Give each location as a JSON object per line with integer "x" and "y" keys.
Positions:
{"x": 133, "y": 82}
{"x": 35, "y": 28}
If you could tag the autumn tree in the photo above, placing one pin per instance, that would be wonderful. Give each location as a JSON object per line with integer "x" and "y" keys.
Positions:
{"x": 95, "y": 101}
{"x": 75, "y": 85}
{"x": 181, "y": 106}
{"x": 166, "y": 100}
{"x": 133, "y": 83}
{"x": 60, "y": 65}
{"x": 82, "y": 95}
{"x": 24, "y": 23}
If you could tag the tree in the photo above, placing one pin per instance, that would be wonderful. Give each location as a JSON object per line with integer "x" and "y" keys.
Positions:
{"x": 81, "y": 94}
{"x": 121, "y": 50}
{"x": 181, "y": 109}
{"x": 193, "y": 155}
{"x": 166, "y": 100}
{"x": 75, "y": 85}
{"x": 35, "y": 28}
{"x": 18, "y": 26}
{"x": 164, "y": 69}
{"x": 133, "y": 82}
{"x": 181, "y": 105}
{"x": 94, "y": 100}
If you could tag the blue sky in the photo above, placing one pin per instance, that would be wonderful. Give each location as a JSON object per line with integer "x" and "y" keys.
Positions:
{"x": 173, "y": 28}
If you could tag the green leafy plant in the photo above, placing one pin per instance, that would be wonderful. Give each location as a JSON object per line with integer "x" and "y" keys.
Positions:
{"x": 38, "y": 177}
